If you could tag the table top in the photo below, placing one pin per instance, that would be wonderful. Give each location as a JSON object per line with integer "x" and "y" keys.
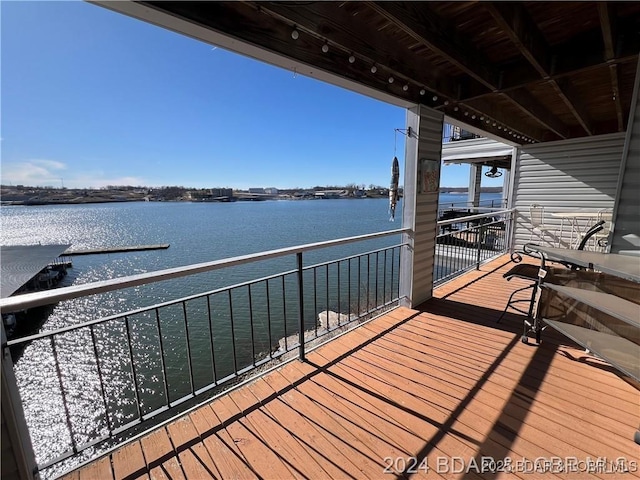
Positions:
{"x": 618, "y": 351}
{"x": 623, "y": 266}
{"x": 576, "y": 214}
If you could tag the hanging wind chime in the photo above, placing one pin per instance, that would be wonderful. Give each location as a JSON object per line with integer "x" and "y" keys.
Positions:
{"x": 395, "y": 176}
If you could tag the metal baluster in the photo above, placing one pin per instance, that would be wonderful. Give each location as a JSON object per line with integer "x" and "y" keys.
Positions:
{"x": 384, "y": 278}
{"x": 284, "y": 314}
{"x": 349, "y": 288}
{"x": 189, "y": 363}
{"x": 479, "y": 243}
{"x": 100, "y": 379}
{"x": 253, "y": 346}
{"x": 393, "y": 262}
{"x": 368, "y": 281}
{"x": 64, "y": 397}
{"x": 315, "y": 299}
{"x": 133, "y": 367}
{"x": 233, "y": 334}
{"x": 301, "y": 307}
{"x": 339, "y": 305}
{"x": 269, "y": 321}
{"x": 213, "y": 354}
{"x": 377, "y": 275}
{"x": 327, "y": 299}
{"x": 162, "y": 364}
{"x": 359, "y": 284}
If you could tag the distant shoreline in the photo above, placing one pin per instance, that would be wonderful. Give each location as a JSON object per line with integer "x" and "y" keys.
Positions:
{"x": 34, "y": 196}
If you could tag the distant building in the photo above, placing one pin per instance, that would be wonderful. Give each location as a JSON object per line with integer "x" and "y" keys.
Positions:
{"x": 211, "y": 194}
{"x": 329, "y": 194}
{"x": 256, "y": 190}
{"x": 271, "y": 191}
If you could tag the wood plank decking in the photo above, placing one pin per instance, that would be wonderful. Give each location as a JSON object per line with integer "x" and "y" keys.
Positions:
{"x": 443, "y": 383}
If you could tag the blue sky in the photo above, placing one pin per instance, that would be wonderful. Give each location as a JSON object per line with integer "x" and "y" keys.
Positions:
{"x": 93, "y": 98}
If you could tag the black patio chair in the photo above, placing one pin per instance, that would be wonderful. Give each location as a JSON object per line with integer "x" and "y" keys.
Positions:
{"x": 526, "y": 271}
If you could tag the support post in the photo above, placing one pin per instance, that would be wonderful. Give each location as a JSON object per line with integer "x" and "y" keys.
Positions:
{"x": 423, "y": 157}
{"x": 18, "y": 455}
{"x": 475, "y": 179}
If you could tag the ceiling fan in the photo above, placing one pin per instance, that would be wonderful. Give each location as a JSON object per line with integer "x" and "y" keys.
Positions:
{"x": 493, "y": 173}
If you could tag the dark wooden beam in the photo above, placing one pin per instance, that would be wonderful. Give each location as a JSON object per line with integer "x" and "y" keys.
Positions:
{"x": 578, "y": 56}
{"x": 431, "y": 31}
{"x": 529, "y": 105}
{"x": 577, "y": 106}
{"x": 327, "y": 21}
{"x": 608, "y": 27}
{"x": 605, "y": 12}
{"x": 516, "y": 23}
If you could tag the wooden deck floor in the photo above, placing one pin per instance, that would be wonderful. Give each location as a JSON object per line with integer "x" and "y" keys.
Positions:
{"x": 444, "y": 383}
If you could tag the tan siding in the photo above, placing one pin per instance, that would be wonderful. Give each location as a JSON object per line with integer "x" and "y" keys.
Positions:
{"x": 420, "y": 209}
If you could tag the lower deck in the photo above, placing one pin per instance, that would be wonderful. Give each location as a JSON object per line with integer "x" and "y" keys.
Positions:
{"x": 440, "y": 392}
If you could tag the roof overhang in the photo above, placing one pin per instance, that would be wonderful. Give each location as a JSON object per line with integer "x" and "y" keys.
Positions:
{"x": 524, "y": 72}
{"x": 20, "y": 263}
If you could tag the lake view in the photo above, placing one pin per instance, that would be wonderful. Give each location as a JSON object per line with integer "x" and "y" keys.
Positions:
{"x": 197, "y": 232}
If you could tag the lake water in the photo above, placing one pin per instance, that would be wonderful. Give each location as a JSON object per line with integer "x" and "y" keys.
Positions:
{"x": 197, "y": 232}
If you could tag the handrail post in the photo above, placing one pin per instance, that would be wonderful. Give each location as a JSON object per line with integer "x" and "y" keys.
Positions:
{"x": 300, "y": 308}
{"x": 479, "y": 244}
{"x": 19, "y": 440}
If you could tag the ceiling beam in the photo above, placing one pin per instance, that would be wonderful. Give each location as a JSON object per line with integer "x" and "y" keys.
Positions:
{"x": 579, "y": 56}
{"x": 516, "y": 23}
{"x": 608, "y": 27}
{"x": 429, "y": 30}
{"x": 491, "y": 110}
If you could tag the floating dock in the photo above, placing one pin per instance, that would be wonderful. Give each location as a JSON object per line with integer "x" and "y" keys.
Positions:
{"x": 134, "y": 248}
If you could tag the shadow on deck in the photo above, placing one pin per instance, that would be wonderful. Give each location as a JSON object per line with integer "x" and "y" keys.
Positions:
{"x": 435, "y": 392}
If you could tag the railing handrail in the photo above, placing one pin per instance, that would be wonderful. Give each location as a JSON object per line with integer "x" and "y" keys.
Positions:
{"x": 137, "y": 311}
{"x": 473, "y": 217}
{"x": 37, "y": 299}
{"x": 471, "y": 202}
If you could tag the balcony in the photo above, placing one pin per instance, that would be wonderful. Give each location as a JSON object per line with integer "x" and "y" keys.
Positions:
{"x": 441, "y": 390}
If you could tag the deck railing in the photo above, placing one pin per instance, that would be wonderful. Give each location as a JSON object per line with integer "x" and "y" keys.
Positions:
{"x": 107, "y": 376}
{"x": 110, "y": 376}
{"x": 466, "y": 242}
{"x": 469, "y": 208}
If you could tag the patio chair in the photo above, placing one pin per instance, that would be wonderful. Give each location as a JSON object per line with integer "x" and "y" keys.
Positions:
{"x": 602, "y": 237}
{"x": 536, "y": 213}
{"x": 593, "y": 231}
{"x": 525, "y": 271}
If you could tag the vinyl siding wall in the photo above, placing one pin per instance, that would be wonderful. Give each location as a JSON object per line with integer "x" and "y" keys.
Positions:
{"x": 565, "y": 176}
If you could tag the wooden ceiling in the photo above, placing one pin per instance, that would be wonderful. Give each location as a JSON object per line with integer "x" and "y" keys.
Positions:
{"x": 524, "y": 71}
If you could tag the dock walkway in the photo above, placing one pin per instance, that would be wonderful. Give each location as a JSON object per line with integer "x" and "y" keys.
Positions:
{"x": 134, "y": 248}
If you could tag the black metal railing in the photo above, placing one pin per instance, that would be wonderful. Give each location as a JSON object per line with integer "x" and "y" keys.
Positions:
{"x": 106, "y": 376}
{"x": 466, "y": 242}
{"x": 448, "y": 210}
